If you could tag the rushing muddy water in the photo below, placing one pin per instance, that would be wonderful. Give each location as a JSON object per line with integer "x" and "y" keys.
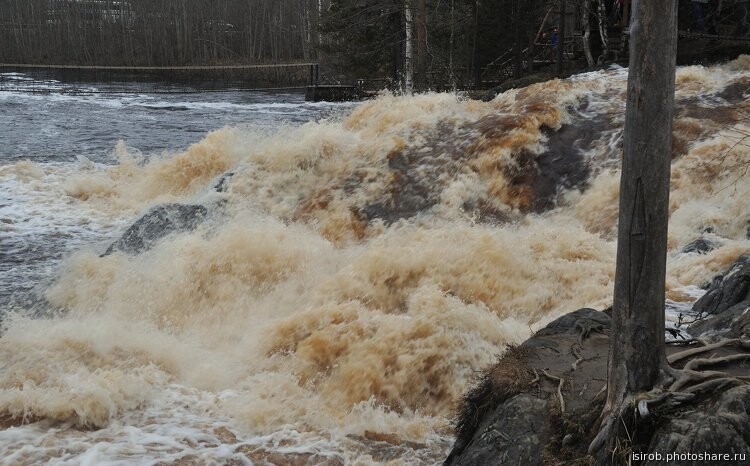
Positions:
{"x": 347, "y": 280}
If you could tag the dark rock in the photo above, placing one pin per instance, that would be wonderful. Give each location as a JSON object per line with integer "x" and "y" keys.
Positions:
{"x": 514, "y": 416}
{"x": 156, "y": 224}
{"x": 725, "y": 324}
{"x": 700, "y": 245}
{"x": 563, "y": 166}
{"x": 418, "y": 176}
{"x": 741, "y": 325}
{"x": 517, "y": 430}
{"x": 582, "y": 320}
{"x": 719, "y": 426}
{"x": 736, "y": 92}
{"x": 727, "y": 290}
{"x": 222, "y": 184}
{"x": 510, "y": 419}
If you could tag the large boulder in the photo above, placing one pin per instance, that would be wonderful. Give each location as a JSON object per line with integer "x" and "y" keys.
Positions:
{"x": 731, "y": 288}
{"x": 721, "y": 425}
{"x": 722, "y": 310}
{"x": 515, "y": 414}
{"x": 157, "y": 223}
{"x": 517, "y": 430}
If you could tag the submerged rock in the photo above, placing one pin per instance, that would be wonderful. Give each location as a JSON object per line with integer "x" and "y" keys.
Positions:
{"x": 156, "y": 224}
{"x": 700, "y": 245}
{"x": 222, "y": 184}
{"x": 417, "y": 176}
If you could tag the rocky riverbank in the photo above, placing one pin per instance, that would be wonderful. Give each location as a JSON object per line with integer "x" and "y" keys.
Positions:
{"x": 540, "y": 402}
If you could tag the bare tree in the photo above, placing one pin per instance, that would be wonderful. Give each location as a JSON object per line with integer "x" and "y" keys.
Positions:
{"x": 637, "y": 360}
{"x": 585, "y": 19}
{"x": 422, "y": 44}
{"x": 603, "y": 32}
{"x": 408, "y": 48}
{"x": 561, "y": 36}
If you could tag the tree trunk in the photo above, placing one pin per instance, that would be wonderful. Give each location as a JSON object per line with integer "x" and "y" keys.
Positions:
{"x": 587, "y": 33}
{"x": 408, "y": 49}
{"x": 637, "y": 360}
{"x": 561, "y": 37}
{"x": 517, "y": 41}
{"x": 603, "y": 33}
{"x": 450, "y": 45}
{"x": 476, "y": 71}
{"x": 531, "y": 36}
{"x": 422, "y": 44}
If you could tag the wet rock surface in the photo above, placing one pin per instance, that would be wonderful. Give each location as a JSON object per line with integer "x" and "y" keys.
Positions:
{"x": 722, "y": 310}
{"x": 222, "y": 184}
{"x": 507, "y": 422}
{"x": 517, "y": 429}
{"x": 720, "y": 425}
{"x": 700, "y": 246}
{"x": 156, "y": 224}
{"x": 540, "y": 402}
{"x": 535, "y": 181}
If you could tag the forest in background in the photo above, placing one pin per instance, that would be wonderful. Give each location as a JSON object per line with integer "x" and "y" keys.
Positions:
{"x": 157, "y": 32}
{"x": 451, "y": 39}
{"x": 419, "y": 43}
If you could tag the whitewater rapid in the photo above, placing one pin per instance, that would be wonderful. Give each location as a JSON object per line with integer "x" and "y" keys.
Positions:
{"x": 352, "y": 277}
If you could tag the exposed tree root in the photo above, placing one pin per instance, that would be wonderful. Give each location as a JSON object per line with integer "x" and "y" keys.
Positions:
{"x": 715, "y": 384}
{"x": 670, "y": 399}
{"x": 687, "y": 377}
{"x": 608, "y": 425}
{"x": 536, "y": 377}
{"x": 585, "y": 328}
{"x": 560, "y": 384}
{"x": 693, "y": 351}
{"x": 578, "y": 356}
{"x": 678, "y": 386}
{"x": 696, "y": 363}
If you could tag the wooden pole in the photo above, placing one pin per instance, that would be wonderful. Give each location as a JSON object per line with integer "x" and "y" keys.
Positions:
{"x": 637, "y": 361}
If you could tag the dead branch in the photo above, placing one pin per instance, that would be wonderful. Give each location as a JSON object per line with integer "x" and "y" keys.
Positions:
{"x": 559, "y": 389}
{"x": 578, "y": 360}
